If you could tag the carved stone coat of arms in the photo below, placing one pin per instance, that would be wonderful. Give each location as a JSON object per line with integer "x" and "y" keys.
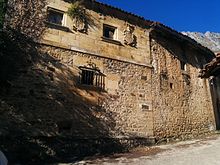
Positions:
{"x": 129, "y": 37}
{"x": 79, "y": 25}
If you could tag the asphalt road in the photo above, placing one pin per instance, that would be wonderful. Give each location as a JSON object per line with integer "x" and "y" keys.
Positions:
{"x": 196, "y": 152}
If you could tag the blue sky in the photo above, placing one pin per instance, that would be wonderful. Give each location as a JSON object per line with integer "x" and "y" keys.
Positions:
{"x": 181, "y": 15}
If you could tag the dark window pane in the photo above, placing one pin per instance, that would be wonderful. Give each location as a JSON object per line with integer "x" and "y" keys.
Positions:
{"x": 83, "y": 80}
{"x": 87, "y": 77}
{"x": 55, "y": 17}
{"x": 92, "y": 77}
{"x": 145, "y": 107}
{"x": 108, "y": 32}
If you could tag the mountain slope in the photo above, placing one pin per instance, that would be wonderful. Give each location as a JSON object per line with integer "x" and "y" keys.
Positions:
{"x": 209, "y": 39}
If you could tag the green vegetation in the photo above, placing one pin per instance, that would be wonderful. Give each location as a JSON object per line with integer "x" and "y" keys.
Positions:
{"x": 77, "y": 11}
{"x": 80, "y": 16}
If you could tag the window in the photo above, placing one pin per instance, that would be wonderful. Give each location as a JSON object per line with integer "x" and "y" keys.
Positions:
{"x": 144, "y": 78}
{"x": 171, "y": 85}
{"x": 87, "y": 77}
{"x": 183, "y": 65}
{"x": 55, "y": 16}
{"x": 109, "y": 32}
{"x": 92, "y": 77}
{"x": 145, "y": 107}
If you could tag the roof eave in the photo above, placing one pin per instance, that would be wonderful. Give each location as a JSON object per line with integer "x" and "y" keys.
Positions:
{"x": 179, "y": 36}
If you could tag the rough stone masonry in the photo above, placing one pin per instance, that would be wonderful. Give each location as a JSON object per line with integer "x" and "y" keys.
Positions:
{"x": 86, "y": 91}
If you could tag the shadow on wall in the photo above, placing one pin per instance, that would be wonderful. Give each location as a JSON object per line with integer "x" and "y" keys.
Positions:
{"x": 44, "y": 117}
{"x": 43, "y": 110}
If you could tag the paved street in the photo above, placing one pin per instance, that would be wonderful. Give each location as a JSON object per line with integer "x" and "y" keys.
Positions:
{"x": 196, "y": 152}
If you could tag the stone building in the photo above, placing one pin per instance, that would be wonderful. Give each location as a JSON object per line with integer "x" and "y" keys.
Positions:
{"x": 212, "y": 71}
{"x": 150, "y": 72}
{"x": 109, "y": 77}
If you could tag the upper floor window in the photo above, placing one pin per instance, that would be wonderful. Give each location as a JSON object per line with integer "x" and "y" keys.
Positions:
{"x": 55, "y": 16}
{"x": 109, "y": 32}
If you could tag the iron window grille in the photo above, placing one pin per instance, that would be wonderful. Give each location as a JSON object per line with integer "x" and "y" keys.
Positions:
{"x": 92, "y": 77}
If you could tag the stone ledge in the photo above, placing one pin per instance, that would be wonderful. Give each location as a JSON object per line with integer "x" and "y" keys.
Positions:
{"x": 111, "y": 41}
{"x": 56, "y": 26}
{"x": 69, "y": 48}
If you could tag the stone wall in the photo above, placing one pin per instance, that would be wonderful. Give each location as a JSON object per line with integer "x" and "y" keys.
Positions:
{"x": 26, "y": 17}
{"x": 42, "y": 103}
{"x": 49, "y": 92}
{"x": 127, "y": 88}
{"x": 182, "y": 102}
{"x": 44, "y": 106}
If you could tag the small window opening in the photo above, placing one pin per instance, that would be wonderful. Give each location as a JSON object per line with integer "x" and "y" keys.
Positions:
{"x": 87, "y": 77}
{"x": 92, "y": 77}
{"x": 55, "y": 16}
{"x": 171, "y": 85}
{"x": 143, "y": 77}
{"x": 183, "y": 65}
{"x": 109, "y": 32}
{"x": 145, "y": 107}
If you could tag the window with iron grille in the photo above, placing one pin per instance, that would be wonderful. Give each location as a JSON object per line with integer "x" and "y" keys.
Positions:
{"x": 92, "y": 77}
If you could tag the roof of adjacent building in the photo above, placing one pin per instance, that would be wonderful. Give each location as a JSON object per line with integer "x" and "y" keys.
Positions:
{"x": 212, "y": 68}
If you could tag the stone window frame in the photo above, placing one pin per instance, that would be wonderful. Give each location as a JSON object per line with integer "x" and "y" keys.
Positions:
{"x": 62, "y": 25}
{"x": 92, "y": 77}
{"x": 113, "y": 39}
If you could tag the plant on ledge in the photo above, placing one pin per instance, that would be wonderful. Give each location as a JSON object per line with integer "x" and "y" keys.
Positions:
{"x": 81, "y": 19}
